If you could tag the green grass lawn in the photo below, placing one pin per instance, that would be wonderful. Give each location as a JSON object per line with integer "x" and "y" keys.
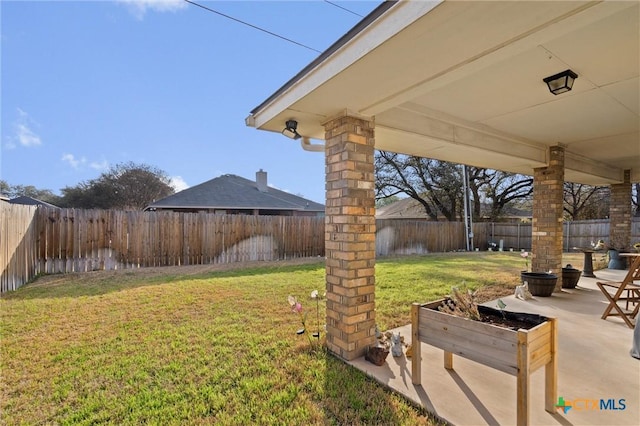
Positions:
{"x": 133, "y": 347}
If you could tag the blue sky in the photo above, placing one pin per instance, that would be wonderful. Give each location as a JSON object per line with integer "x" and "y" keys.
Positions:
{"x": 87, "y": 85}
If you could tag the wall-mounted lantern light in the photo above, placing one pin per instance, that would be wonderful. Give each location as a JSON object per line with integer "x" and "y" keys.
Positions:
{"x": 561, "y": 82}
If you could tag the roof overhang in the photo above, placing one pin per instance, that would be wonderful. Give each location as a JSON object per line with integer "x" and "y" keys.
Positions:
{"x": 462, "y": 82}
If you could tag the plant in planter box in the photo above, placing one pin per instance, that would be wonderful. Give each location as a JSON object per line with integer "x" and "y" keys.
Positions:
{"x": 461, "y": 304}
{"x": 515, "y": 343}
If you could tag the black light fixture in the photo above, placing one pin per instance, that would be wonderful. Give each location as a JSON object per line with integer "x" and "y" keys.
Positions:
{"x": 561, "y": 82}
{"x": 291, "y": 130}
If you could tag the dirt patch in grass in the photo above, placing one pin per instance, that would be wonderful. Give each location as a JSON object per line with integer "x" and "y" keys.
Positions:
{"x": 492, "y": 292}
{"x": 185, "y": 271}
{"x": 94, "y": 283}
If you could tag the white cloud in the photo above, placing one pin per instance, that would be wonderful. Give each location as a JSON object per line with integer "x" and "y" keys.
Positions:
{"x": 26, "y": 136}
{"x": 102, "y": 165}
{"x": 23, "y": 132}
{"x": 72, "y": 161}
{"x": 139, "y": 8}
{"x": 178, "y": 183}
{"x": 82, "y": 162}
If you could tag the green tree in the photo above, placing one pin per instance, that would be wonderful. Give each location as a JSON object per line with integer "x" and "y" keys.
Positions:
{"x": 125, "y": 186}
{"x": 13, "y": 191}
{"x": 5, "y": 188}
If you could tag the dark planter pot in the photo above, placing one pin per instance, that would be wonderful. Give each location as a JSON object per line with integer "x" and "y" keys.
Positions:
{"x": 540, "y": 283}
{"x": 376, "y": 355}
{"x": 570, "y": 277}
{"x": 615, "y": 261}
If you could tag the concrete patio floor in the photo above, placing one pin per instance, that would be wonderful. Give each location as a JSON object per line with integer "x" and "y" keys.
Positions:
{"x": 593, "y": 364}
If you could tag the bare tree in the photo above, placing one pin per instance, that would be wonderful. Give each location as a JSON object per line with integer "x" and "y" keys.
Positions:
{"x": 585, "y": 201}
{"x": 502, "y": 189}
{"x": 437, "y": 185}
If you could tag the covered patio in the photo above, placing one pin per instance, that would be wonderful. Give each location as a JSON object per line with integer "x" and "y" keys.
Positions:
{"x": 593, "y": 364}
{"x": 470, "y": 83}
{"x": 464, "y": 82}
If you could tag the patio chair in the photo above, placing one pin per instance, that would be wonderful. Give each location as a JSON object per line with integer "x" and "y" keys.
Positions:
{"x": 627, "y": 291}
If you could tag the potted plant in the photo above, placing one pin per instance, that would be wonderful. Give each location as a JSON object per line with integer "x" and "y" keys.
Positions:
{"x": 540, "y": 283}
{"x": 515, "y": 343}
{"x": 570, "y": 276}
{"x": 377, "y": 354}
{"x": 615, "y": 261}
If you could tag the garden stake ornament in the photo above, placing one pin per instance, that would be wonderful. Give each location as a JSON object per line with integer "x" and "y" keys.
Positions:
{"x": 317, "y": 297}
{"x": 296, "y": 307}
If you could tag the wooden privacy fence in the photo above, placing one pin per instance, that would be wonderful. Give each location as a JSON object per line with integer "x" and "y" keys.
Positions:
{"x": 40, "y": 240}
{"x": 80, "y": 240}
{"x": 45, "y": 241}
{"x": 18, "y": 248}
{"x": 401, "y": 236}
{"x": 575, "y": 234}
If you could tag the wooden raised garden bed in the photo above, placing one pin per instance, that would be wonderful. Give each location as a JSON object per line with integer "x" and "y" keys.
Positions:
{"x": 519, "y": 351}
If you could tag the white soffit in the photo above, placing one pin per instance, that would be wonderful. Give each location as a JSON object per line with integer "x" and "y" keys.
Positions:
{"x": 307, "y": 87}
{"x": 468, "y": 76}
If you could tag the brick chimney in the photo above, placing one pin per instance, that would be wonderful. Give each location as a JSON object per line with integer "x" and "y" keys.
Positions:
{"x": 261, "y": 180}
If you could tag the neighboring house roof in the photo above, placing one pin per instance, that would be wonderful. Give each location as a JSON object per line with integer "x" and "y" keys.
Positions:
{"x": 406, "y": 208}
{"x": 235, "y": 192}
{"x": 30, "y": 201}
{"x": 508, "y": 212}
{"x": 409, "y": 208}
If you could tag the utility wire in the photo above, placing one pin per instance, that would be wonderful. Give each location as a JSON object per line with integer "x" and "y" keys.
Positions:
{"x": 251, "y": 25}
{"x": 343, "y": 8}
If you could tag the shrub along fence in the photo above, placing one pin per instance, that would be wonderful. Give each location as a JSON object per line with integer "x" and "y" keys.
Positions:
{"x": 40, "y": 240}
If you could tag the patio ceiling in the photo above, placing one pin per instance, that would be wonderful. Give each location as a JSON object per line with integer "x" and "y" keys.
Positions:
{"x": 462, "y": 82}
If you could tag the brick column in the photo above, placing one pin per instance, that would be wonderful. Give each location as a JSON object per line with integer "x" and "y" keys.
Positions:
{"x": 620, "y": 214}
{"x": 350, "y": 228}
{"x": 546, "y": 236}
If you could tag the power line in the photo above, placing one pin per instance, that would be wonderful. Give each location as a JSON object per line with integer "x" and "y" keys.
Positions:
{"x": 251, "y": 25}
{"x": 343, "y": 8}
